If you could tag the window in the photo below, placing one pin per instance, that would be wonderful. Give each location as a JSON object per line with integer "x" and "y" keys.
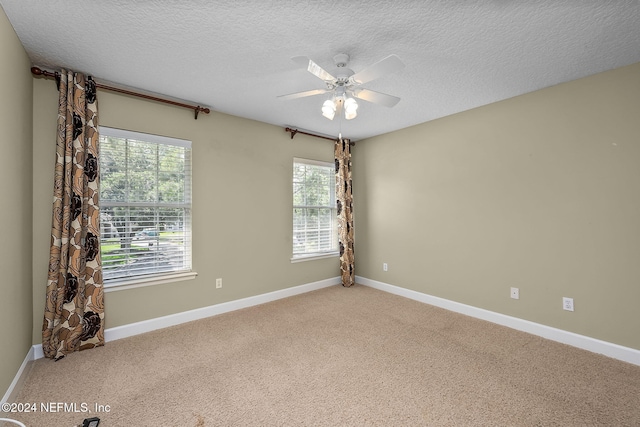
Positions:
{"x": 145, "y": 206}
{"x": 314, "y": 209}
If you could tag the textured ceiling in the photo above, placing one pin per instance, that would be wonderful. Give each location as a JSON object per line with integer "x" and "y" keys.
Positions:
{"x": 235, "y": 56}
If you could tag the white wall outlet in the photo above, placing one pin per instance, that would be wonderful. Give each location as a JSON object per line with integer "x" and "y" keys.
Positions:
{"x": 385, "y": 267}
{"x": 567, "y": 304}
{"x": 515, "y": 293}
{"x": 218, "y": 283}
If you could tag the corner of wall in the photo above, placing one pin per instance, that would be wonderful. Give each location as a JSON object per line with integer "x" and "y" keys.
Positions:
{"x": 16, "y": 169}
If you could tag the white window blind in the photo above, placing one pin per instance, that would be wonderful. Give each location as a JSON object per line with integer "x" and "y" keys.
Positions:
{"x": 314, "y": 208}
{"x": 145, "y": 205}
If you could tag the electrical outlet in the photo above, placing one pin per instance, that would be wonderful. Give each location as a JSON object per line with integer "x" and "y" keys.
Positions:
{"x": 385, "y": 267}
{"x": 515, "y": 293}
{"x": 567, "y": 304}
{"x": 218, "y": 283}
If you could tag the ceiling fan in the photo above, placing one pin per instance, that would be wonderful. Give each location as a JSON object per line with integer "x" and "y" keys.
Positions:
{"x": 344, "y": 84}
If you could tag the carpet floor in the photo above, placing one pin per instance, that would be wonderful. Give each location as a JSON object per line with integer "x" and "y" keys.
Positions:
{"x": 335, "y": 357}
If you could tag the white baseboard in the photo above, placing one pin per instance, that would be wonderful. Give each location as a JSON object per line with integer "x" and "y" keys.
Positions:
{"x": 132, "y": 329}
{"x": 16, "y": 384}
{"x": 137, "y": 328}
{"x": 615, "y": 351}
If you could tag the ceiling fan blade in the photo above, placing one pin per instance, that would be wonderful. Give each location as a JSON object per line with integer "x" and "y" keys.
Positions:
{"x": 385, "y": 66}
{"x": 313, "y": 68}
{"x": 376, "y": 97}
{"x": 303, "y": 94}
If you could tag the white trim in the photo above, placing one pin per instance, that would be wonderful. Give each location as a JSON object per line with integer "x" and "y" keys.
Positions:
{"x": 615, "y": 351}
{"x": 137, "y": 328}
{"x": 313, "y": 162}
{"x": 38, "y": 352}
{"x": 212, "y": 310}
{"x": 311, "y": 257}
{"x": 18, "y": 380}
{"x": 594, "y": 345}
{"x": 139, "y": 282}
{"x": 145, "y": 137}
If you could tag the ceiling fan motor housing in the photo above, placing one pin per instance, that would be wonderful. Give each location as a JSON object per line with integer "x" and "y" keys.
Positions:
{"x": 341, "y": 60}
{"x": 342, "y": 78}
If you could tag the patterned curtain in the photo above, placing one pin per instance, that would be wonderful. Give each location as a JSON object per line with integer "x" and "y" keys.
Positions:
{"x": 345, "y": 210}
{"x": 74, "y": 308}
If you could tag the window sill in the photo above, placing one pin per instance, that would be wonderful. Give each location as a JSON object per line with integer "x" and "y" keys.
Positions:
{"x": 139, "y": 282}
{"x": 311, "y": 257}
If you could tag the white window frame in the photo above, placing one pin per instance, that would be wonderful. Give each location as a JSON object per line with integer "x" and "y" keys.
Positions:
{"x": 334, "y": 251}
{"x": 141, "y": 280}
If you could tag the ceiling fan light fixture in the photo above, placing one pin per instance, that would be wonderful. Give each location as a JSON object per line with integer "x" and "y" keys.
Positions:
{"x": 329, "y": 109}
{"x": 350, "y": 108}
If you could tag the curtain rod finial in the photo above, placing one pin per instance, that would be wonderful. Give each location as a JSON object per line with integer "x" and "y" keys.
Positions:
{"x": 203, "y": 109}
{"x": 37, "y": 71}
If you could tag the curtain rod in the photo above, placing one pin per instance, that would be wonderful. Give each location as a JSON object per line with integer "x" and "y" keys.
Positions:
{"x": 39, "y": 72}
{"x": 293, "y": 133}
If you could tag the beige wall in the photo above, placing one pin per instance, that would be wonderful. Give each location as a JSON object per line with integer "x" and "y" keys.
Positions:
{"x": 539, "y": 192}
{"x": 15, "y": 187}
{"x": 242, "y": 215}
